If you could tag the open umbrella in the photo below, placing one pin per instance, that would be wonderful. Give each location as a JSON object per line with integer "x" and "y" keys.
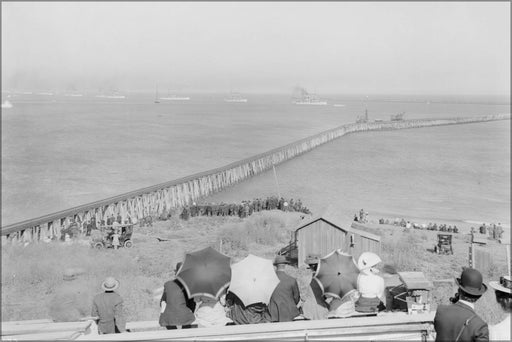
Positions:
{"x": 205, "y": 273}
{"x": 337, "y": 274}
{"x": 253, "y": 280}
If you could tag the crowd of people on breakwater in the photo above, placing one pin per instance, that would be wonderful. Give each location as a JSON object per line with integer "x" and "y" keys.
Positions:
{"x": 243, "y": 209}
{"x": 285, "y": 302}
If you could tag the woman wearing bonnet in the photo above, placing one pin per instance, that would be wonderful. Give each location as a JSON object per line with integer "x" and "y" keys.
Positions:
{"x": 369, "y": 284}
{"x": 503, "y": 292}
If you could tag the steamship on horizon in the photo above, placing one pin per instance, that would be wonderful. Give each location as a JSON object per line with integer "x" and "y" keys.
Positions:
{"x": 303, "y": 97}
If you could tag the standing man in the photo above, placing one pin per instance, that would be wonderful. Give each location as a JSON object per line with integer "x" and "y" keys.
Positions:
{"x": 108, "y": 307}
{"x": 286, "y": 296}
{"x": 458, "y": 321}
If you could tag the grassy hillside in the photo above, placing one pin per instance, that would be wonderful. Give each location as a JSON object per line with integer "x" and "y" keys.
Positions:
{"x": 31, "y": 275}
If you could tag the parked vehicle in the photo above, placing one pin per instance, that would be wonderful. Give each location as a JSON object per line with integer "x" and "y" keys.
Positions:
{"x": 102, "y": 238}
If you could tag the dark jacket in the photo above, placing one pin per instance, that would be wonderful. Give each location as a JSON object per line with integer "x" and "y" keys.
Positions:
{"x": 108, "y": 306}
{"x": 241, "y": 314}
{"x": 319, "y": 296}
{"x": 284, "y": 300}
{"x": 450, "y": 319}
{"x": 176, "y": 310}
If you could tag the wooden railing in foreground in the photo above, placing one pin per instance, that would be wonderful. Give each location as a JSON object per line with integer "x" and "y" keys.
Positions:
{"x": 160, "y": 198}
{"x": 388, "y": 326}
{"x": 44, "y": 329}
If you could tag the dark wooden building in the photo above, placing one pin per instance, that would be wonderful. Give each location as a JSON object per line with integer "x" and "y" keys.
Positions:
{"x": 321, "y": 235}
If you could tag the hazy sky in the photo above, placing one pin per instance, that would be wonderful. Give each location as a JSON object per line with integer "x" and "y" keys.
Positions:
{"x": 411, "y": 48}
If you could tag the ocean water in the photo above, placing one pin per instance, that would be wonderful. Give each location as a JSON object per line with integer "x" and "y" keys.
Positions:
{"x": 59, "y": 152}
{"x": 438, "y": 174}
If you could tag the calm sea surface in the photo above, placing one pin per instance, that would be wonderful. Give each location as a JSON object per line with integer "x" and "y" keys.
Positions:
{"x": 59, "y": 152}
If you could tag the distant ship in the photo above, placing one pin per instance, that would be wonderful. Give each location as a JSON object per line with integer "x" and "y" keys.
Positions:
{"x": 112, "y": 96}
{"x": 45, "y": 93}
{"x": 302, "y": 97}
{"x": 338, "y": 105}
{"x": 235, "y": 97}
{"x": 175, "y": 98}
{"x": 6, "y": 104}
{"x": 397, "y": 117}
{"x": 73, "y": 95}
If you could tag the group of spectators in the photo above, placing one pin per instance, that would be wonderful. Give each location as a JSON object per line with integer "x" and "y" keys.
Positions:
{"x": 443, "y": 227}
{"x": 494, "y": 231}
{"x": 361, "y": 217}
{"x": 243, "y": 209}
{"x": 454, "y": 322}
{"x": 286, "y": 304}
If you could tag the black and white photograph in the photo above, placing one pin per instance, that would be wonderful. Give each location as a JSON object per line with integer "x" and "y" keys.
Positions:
{"x": 256, "y": 171}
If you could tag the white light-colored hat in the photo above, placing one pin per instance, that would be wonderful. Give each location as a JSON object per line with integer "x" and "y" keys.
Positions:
{"x": 367, "y": 260}
{"x": 110, "y": 284}
{"x": 504, "y": 285}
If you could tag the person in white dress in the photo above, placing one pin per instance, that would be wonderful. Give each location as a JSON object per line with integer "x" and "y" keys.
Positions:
{"x": 503, "y": 292}
{"x": 210, "y": 312}
{"x": 369, "y": 284}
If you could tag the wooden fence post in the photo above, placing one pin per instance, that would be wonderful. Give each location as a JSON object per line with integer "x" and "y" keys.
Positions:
{"x": 471, "y": 255}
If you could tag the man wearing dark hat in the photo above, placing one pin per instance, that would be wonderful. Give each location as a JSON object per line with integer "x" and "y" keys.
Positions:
{"x": 458, "y": 321}
{"x": 108, "y": 307}
{"x": 503, "y": 292}
{"x": 286, "y": 296}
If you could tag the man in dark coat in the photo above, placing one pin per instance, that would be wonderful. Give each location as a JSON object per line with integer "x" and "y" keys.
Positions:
{"x": 458, "y": 321}
{"x": 177, "y": 311}
{"x": 286, "y": 296}
{"x": 108, "y": 307}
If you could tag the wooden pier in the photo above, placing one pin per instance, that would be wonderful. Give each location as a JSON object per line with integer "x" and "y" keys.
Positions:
{"x": 160, "y": 198}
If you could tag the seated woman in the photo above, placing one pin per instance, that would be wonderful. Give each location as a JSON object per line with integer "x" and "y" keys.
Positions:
{"x": 343, "y": 307}
{"x": 314, "y": 305}
{"x": 241, "y": 314}
{"x": 210, "y": 312}
{"x": 369, "y": 284}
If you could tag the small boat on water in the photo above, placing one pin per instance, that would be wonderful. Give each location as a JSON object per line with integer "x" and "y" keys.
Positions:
{"x": 6, "y": 104}
{"x": 235, "y": 97}
{"x": 338, "y": 105}
{"x": 157, "y": 99}
{"x": 303, "y": 97}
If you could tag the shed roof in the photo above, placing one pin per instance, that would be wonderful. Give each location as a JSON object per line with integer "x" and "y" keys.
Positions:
{"x": 330, "y": 220}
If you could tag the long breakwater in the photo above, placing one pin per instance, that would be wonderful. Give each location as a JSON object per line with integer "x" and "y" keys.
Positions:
{"x": 159, "y": 199}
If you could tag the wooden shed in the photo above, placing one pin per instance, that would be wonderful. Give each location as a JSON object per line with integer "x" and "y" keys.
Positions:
{"x": 321, "y": 235}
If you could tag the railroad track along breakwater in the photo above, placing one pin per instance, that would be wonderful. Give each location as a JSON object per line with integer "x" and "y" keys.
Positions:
{"x": 158, "y": 199}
